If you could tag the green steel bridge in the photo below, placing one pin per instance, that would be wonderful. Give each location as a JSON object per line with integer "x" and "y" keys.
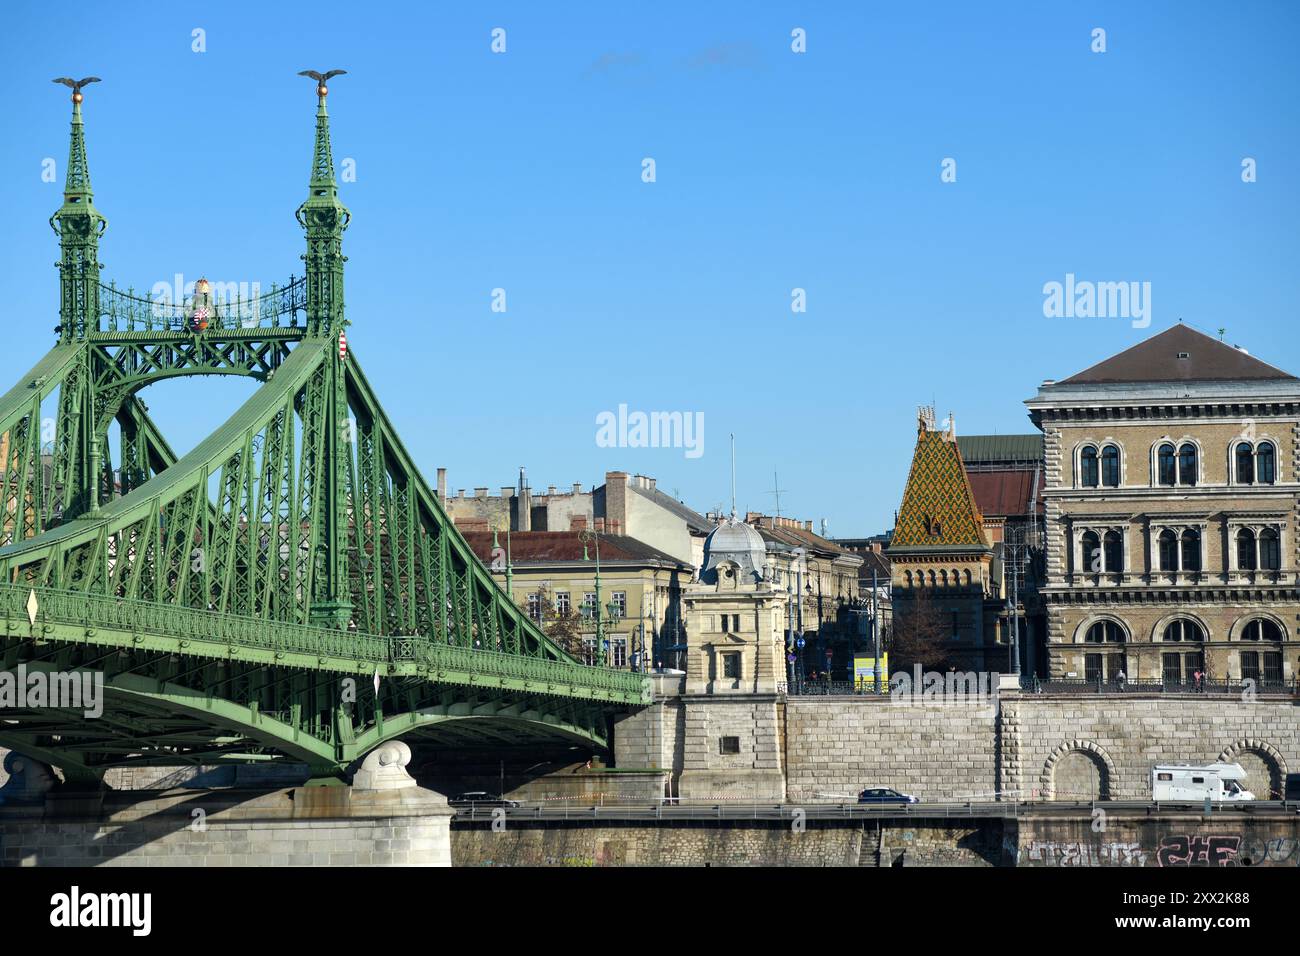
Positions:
{"x": 292, "y": 589}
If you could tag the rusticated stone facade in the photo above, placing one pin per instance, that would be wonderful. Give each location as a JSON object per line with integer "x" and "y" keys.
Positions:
{"x": 1172, "y": 504}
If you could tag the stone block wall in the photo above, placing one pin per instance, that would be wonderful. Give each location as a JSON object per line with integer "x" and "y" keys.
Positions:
{"x": 1123, "y": 737}
{"x": 317, "y": 826}
{"x": 712, "y": 769}
{"x": 837, "y": 746}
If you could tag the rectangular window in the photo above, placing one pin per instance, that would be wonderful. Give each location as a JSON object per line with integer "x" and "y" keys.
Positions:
{"x": 735, "y": 624}
{"x": 731, "y": 666}
{"x": 1250, "y": 665}
{"x": 589, "y": 651}
{"x": 589, "y": 604}
{"x": 535, "y": 606}
{"x": 1272, "y": 666}
{"x": 620, "y": 603}
{"x": 618, "y": 652}
{"x": 1173, "y": 668}
{"x": 1115, "y": 666}
{"x": 562, "y": 603}
{"x": 729, "y": 745}
{"x": 1092, "y": 666}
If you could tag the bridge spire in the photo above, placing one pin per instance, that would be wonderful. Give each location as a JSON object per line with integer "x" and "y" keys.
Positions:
{"x": 324, "y": 218}
{"x": 78, "y": 224}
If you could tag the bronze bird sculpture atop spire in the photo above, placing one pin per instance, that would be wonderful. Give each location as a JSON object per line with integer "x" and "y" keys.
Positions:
{"x": 321, "y": 79}
{"x": 76, "y": 85}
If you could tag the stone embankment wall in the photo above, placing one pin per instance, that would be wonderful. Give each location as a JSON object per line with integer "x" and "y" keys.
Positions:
{"x": 1173, "y": 840}
{"x": 1033, "y": 746}
{"x": 312, "y": 826}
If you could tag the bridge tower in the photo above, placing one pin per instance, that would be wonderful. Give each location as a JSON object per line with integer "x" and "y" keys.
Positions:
{"x": 78, "y": 225}
{"x": 324, "y": 218}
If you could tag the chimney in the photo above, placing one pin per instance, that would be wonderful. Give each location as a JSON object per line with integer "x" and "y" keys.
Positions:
{"x": 480, "y": 492}
{"x": 651, "y": 483}
{"x": 507, "y": 492}
{"x": 577, "y": 487}
{"x": 550, "y": 489}
{"x": 807, "y": 525}
{"x": 460, "y": 493}
{"x": 442, "y": 484}
{"x": 525, "y": 519}
{"x": 616, "y": 501}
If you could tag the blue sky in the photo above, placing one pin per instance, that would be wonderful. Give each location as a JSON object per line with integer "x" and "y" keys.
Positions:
{"x": 774, "y": 171}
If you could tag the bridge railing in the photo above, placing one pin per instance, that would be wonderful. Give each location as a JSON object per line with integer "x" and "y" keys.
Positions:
{"x": 280, "y": 307}
{"x": 146, "y": 617}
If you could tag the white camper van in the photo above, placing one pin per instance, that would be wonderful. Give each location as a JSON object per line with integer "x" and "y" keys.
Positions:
{"x": 1217, "y": 781}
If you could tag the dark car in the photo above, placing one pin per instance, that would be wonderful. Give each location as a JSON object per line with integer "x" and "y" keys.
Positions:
{"x": 885, "y": 795}
{"x": 481, "y": 798}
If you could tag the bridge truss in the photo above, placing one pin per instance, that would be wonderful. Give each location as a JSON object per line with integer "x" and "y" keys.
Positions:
{"x": 291, "y": 589}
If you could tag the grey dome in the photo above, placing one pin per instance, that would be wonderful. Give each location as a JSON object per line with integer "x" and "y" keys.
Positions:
{"x": 734, "y": 540}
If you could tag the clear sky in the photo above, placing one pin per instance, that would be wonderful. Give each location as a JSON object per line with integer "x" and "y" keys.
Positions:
{"x": 775, "y": 170}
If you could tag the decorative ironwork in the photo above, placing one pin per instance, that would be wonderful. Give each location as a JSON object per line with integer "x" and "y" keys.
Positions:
{"x": 282, "y": 307}
{"x": 229, "y": 588}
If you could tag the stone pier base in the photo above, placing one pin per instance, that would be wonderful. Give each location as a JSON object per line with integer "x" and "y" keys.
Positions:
{"x": 302, "y": 826}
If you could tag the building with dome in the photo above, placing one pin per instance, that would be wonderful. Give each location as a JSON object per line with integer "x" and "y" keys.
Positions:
{"x": 735, "y": 659}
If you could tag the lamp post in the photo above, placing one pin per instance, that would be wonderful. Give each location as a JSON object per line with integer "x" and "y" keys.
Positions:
{"x": 1015, "y": 549}
{"x": 592, "y": 537}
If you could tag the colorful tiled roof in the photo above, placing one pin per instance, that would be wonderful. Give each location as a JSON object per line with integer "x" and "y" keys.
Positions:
{"x": 938, "y": 505}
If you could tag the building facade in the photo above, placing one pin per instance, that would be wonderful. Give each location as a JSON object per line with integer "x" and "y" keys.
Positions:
{"x": 552, "y": 576}
{"x": 940, "y": 555}
{"x": 1172, "y": 499}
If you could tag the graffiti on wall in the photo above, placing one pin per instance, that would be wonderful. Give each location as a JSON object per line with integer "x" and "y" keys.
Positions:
{"x": 1052, "y": 853}
{"x": 1196, "y": 850}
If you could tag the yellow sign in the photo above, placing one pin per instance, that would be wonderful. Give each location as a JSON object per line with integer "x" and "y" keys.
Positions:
{"x": 864, "y": 671}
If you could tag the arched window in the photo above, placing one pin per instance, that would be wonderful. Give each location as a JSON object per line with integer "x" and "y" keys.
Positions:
{"x": 1114, "y": 547}
{"x": 1091, "y": 551}
{"x": 1187, "y": 464}
{"x": 1245, "y": 550}
{"x": 1183, "y": 630}
{"x": 1105, "y": 632}
{"x": 943, "y": 578}
{"x": 1261, "y": 629}
{"x": 1270, "y": 551}
{"x": 1110, "y": 466}
{"x": 1168, "y": 551}
{"x": 1266, "y": 463}
{"x": 1191, "y": 550}
{"x": 1245, "y": 464}
{"x": 907, "y": 579}
{"x": 1088, "y": 467}
{"x": 1165, "y": 472}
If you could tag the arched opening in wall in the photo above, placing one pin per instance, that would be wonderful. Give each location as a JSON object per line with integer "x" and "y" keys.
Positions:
{"x": 1263, "y": 775}
{"x": 1079, "y": 775}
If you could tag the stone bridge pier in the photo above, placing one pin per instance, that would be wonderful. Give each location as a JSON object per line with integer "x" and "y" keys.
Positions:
{"x": 382, "y": 819}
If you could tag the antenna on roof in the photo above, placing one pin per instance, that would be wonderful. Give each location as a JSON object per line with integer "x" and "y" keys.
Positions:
{"x": 1221, "y": 333}
{"x": 733, "y": 476}
{"x": 776, "y": 490}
